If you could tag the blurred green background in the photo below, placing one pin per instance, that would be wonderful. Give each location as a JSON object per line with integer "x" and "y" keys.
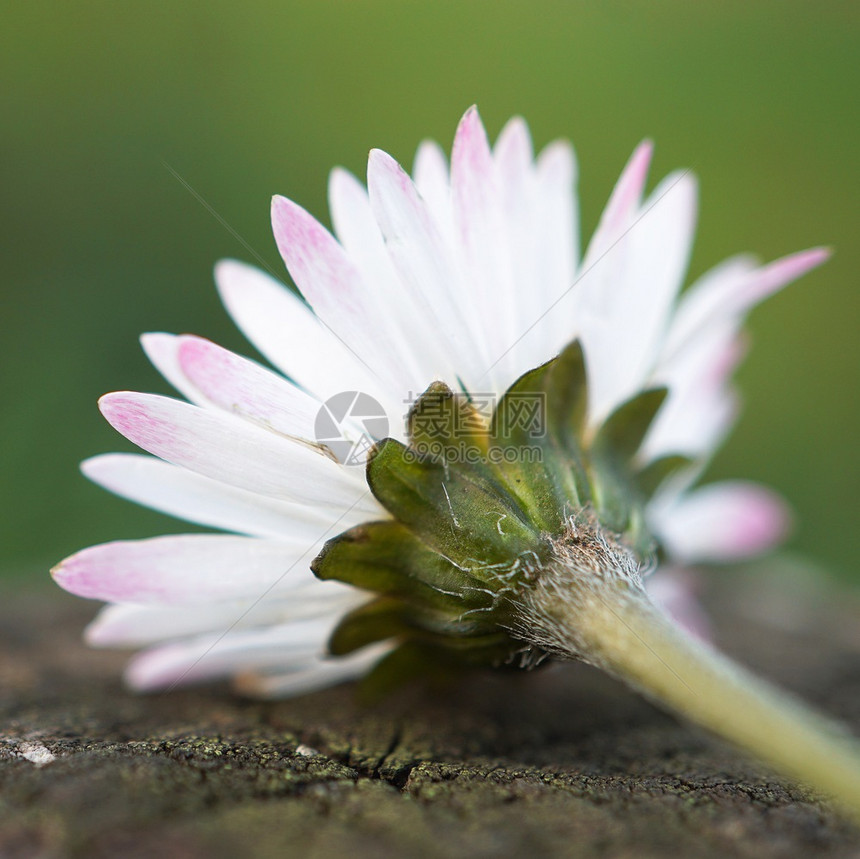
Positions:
{"x": 101, "y": 242}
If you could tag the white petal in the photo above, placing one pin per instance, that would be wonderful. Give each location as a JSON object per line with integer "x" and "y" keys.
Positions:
{"x": 286, "y": 331}
{"x": 188, "y": 569}
{"x": 557, "y": 223}
{"x": 661, "y": 241}
{"x": 433, "y": 184}
{"x": 425, "y": 265}
{"x": 228, "y": 449}
{"x": 696, "y": 306}
{"x": 320, "y": 674}
{"x": 721, "y": 522}
{"x": 521, "y": 251}
{"x": 630, "y": 292}
{"x": 513, "y": 151}
{"x": 539, "y": 248}
{"x": 701, "y": 405}
{"x": 692, "y": 427}
{"x": 407, "y": 318}
{"x": 297, "y": 644}
{"x": 186, "y": 495}
{"x": 145, "y": 625}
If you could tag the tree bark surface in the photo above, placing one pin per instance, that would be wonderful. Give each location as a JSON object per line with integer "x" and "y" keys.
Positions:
{"x": 557, "y": 762}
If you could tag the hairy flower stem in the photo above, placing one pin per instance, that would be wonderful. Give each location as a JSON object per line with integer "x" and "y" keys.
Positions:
{"x": 608, "y": 621}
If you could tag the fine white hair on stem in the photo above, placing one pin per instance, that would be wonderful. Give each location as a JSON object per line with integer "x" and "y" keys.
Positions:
{"x": 584, "y": 562}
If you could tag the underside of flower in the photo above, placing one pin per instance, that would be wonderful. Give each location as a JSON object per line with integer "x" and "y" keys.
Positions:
{"x": 482, "y": 504}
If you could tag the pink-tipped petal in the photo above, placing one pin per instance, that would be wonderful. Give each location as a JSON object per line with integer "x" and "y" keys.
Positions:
{"x": 628, "y": 281}
{"x": 639, "y": 279}
{"x": 723, "y": 522}
{"x": 629, "y": 292}
{"x": 246, "y": 389}
{"x": 225, "y": 448}
{"x": 188, "y": 569}
{"x": 730, "y": 290}
{"x": 774, "y": 276}
{"x": 483, "y": 240}
{"x": 623, "y": 203}
{"x": 334, "y": 288}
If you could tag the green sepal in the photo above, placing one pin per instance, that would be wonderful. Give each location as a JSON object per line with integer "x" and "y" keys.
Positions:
{"x": 650, "y": 478}
{"x": 410, "y": 662}
{"x": 472, "y": 522}
{"x": 386, "y": 558}
{"x": 386, "y": 617}
{"x": 611, "y": 468}
{"x": 567, "y": 396}
{"x": 432, "y": 665}
{"x": 549, "y": 487}
{"x": 374, "y": 621}
{"x": 623, "y": 432}
{"x": 475, "y": 512}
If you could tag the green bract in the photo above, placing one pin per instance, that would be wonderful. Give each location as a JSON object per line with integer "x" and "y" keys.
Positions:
{"x": 476, "y": 501}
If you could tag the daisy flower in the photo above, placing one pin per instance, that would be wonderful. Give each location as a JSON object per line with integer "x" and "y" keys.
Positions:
{"x": 480, "y": 443}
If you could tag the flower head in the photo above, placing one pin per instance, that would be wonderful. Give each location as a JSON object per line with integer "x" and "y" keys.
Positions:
{"x": 464, "y": 282}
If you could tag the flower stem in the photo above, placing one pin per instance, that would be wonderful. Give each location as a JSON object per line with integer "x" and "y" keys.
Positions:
{"x": 614, "y": 626}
